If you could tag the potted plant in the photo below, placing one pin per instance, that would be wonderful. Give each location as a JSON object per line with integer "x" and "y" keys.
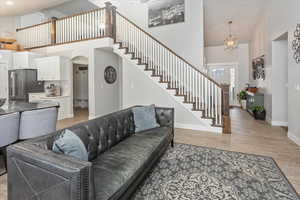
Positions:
{"x": 259, "y": 112}
{"x": 242, "y": 97}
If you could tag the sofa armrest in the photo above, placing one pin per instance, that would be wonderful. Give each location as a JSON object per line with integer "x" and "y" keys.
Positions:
{"x": 34, "y": 172}
{"x": 165, "y": 117}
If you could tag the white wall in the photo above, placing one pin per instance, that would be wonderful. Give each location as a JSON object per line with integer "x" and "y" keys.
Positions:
{"x": 217, "y": 54}
{"x": 186, "y": 39}
{"x": 278, "y": 18}
{"x": 279, "y": 85}
{"x": 106, "y": 95}
{"x": 7, "y": 27}
{"x": 31, "y": 19}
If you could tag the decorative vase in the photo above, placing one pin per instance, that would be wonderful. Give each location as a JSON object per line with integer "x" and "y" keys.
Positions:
{"x": 244, "y": 104}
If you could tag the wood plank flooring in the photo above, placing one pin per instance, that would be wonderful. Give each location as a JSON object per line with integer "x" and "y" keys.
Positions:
{"x": 249, "y": 136}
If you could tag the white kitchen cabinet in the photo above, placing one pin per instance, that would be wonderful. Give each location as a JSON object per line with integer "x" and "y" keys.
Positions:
{"x": 65, "y": 109}
{"x": 25, "y": 60}
{"x": 54, "y": 68}
{"x": 4, "y": 80}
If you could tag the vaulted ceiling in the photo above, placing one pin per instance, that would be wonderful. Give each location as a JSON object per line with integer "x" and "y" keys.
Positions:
{"x": 21, "y": 7}
{"x": 243, "y": 13}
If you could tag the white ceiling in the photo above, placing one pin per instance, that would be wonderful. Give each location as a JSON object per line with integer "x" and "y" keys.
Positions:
{"x": 22, "y": 7}
{"x": 243, "y": 13}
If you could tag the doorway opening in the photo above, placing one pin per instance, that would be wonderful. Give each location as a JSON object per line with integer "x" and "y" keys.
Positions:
{"x": 279, "y": 115}
{"x": 226, "y": 73}
{"x": 81, "y": 87}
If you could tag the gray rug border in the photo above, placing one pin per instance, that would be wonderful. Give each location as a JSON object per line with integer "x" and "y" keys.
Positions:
{"x": 280, "y": 170}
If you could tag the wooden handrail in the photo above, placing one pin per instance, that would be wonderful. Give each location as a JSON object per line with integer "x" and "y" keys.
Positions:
{"x": 57, "y": 19}
{"x": 162, "y": 44}
{"x": 28, "y": 27}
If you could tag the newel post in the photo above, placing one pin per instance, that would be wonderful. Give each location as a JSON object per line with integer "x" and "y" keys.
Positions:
{"x": 110, "y": 20}
{"x": 226, "y": 109}
{"x": 53, "y": 30}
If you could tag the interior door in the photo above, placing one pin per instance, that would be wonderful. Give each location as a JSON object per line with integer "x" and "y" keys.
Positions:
{"x": 225, "y": 74}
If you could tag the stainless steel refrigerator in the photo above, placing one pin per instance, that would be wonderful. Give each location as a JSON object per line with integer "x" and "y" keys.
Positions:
{"x": 22, "y": 82}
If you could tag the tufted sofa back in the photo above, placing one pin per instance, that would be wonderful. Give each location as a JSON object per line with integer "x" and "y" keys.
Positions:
{"x": 107, "y": 131}
{"x": 111, "y": 129}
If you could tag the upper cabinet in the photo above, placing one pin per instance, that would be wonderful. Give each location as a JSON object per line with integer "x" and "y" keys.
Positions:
{"x": 24, "y": 60}
{"x": 54, "y": 68}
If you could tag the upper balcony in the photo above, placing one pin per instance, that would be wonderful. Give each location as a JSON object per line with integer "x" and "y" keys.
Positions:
{"x": 89, "y": 25}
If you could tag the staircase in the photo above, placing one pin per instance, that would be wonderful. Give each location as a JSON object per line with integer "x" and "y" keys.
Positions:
{"x": 204, "y": 97}
{"x": 203, "y": 94}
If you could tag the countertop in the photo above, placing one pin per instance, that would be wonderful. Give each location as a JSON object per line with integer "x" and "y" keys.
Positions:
{"x": 43, "y": 96}
{"x": 17, "y": 106}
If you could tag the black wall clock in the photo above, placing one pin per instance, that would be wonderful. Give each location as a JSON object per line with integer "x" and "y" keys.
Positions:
{"x": 110, "y": 74}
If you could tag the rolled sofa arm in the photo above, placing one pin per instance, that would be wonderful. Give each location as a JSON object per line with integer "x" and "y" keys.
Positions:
{"x": 36, "y": 173}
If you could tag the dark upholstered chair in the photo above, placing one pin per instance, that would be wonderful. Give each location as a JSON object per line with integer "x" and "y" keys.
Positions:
{"x": 37, "y": 123}
{"x": 9, "y": 132}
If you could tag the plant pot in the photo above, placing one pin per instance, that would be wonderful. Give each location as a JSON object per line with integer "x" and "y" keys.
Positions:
{"x": 260, "y": 115}
{"x": 244, "y": 104}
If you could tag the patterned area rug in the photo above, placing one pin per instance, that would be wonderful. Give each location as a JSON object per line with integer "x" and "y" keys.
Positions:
{"x": 188, "y": 172}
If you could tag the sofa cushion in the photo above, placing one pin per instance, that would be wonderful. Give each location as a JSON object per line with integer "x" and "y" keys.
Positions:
{"x": 144, "y": 118}
{"x": 70, "y": 144}
{"x": 86, "y": 137}
{"x": 116, "y": 169}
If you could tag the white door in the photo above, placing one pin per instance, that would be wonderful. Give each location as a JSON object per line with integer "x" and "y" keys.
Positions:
{"x": 225, "y": 74}
{"x": 3, "y": 80}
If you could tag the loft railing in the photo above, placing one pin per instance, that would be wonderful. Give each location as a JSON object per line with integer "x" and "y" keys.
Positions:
{"x": 84, "y": 26}
{"x": 198, "y": 88}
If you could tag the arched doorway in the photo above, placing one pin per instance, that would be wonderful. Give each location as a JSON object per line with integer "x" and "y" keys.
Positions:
{"x": 80, "y": 86}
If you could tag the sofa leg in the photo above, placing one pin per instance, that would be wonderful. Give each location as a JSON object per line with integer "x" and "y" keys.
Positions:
{"x": 172, "y": 143}
{"x": 3, "y": 151}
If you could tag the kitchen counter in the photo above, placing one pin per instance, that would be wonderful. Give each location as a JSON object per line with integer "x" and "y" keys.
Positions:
{"x": 43, "y": 96}
{"x": 16, "y": 106}
{"x": 65, "y": 102}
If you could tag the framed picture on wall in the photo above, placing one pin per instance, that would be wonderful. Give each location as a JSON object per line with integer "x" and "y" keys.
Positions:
{"x": 258, "y": 68}
{"x": 166, "y": 12}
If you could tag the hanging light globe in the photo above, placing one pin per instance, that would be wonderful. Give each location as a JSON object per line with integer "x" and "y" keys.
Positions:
{"x": 231, "y": 42}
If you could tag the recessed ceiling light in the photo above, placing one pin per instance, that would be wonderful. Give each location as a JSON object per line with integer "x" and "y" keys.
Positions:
{"x": 9, "y": 3}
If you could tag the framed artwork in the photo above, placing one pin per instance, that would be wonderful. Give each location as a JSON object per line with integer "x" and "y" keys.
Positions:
{"x": 166, "y": 12}
{"x": 296, "y": 44}
{"x": 258, "y": 68}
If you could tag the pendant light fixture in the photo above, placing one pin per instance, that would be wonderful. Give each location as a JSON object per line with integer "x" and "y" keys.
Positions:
{"x": 231, "y": 42}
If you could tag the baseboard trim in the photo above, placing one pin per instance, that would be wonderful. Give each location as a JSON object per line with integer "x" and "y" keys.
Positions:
{"x": 294, "y": 138}
{"x": 198, "y": 128}
{"x": 279, "y": 123}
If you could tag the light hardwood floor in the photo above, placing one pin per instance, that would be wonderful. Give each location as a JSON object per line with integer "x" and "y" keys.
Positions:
{"x": 249, "y": 136}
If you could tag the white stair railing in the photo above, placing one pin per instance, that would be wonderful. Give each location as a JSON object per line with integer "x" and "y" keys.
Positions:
{"x": 197, "y": 88}
{"x": 35, "y": 36}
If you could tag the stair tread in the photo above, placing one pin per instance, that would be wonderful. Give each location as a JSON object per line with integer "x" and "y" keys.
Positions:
{"x": 155, "y": 68}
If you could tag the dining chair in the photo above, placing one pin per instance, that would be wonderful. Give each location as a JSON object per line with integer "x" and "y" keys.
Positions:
{"x": 37, "y": 123}
{"x": 9, "y": 125}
